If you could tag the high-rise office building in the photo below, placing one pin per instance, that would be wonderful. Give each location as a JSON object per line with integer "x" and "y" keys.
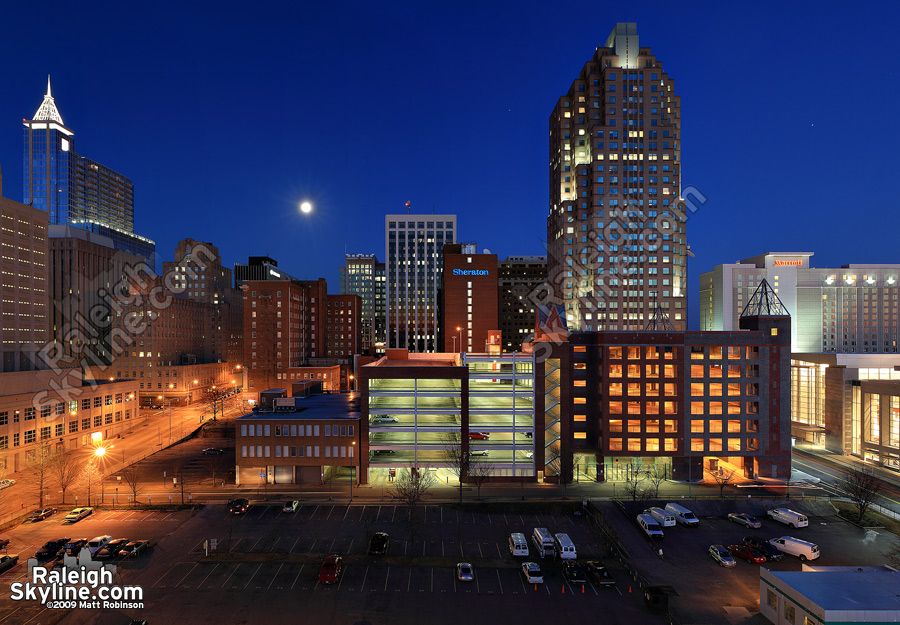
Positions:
{"x": 363, "y": 275}
{"x": 849, "y": 309}
{"x": 520, "y": 285}
{"x": 23, "y": 286}
{"x": 616, "y": 225}
{"x": 258, "y": 268}
{"x": 75, "y": 190}
{"x": 413, "y": 249}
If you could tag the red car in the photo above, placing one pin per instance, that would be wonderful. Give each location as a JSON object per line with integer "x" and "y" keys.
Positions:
{"x": 331, "y": 569}
{"x": 747, "y": 553}
{"x": 479, "y": 435}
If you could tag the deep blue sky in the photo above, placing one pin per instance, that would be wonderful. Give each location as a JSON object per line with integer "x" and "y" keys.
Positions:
{"x": 226, "y": 116}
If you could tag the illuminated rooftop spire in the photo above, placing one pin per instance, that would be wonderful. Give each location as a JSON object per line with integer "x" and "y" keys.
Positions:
{"x": 48, "y": 111}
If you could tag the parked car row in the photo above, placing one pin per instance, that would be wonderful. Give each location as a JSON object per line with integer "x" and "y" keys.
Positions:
{"x": 77, "y": 514}
{"x": 101, "y": 548}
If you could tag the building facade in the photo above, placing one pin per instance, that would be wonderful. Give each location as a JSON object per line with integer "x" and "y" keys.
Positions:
{"x": 849, "y": 309}
{"x": 60, "y": 410}
{"x": 363, "y": 275}
{"x": 24, "y": 285}
{"x": 469, "y": 295}
{"x": 258, "y": 268}
{"x": 522, "y": 279}
{"x": 73, "y": 189}
{"x": 616, "y": 227}
{"x": 413, "y": 247}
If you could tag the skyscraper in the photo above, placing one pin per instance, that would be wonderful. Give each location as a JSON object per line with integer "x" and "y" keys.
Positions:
{"x": 520, "y": 277}
{"x": 363, "y": 275}
{"x": 413, "y": 248}
{"x": 73, "y": 189}
{"x": 616, "y": 225}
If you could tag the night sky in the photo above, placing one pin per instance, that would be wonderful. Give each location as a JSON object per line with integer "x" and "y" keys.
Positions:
{"x": 227, "y": 116}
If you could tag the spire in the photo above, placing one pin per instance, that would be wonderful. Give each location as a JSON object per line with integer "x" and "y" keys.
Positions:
{"x": 48, "y": 111}
{"x": 659, "y": 321}
{"x": 765, "y": 303}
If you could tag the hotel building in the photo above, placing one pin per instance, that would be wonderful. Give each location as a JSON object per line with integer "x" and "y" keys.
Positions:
{"x": 468, "y": 302}
{"x": 616, "y": 226}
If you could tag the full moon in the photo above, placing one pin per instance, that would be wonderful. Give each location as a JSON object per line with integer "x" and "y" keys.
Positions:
{"x": 306, "y": 207}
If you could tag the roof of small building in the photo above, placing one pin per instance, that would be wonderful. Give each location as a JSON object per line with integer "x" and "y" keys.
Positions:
{"x": 846, "y": 588}
{"x": 327, "y": 406}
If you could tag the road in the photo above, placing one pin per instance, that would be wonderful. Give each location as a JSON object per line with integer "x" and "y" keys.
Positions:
{"x": 833, "y": 475}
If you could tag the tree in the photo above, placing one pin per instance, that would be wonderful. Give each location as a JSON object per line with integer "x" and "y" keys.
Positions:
{"x": 410, "y": 488}
{"x": 215, "y": 465}
{"x": 658, "y": 474}
{"x": 180, "y": 465}
{"x": 722, "y": 478}
{"x": 89, "y": 477}
{"x": 455, "y": 454}
{"x": 479, "y": 472}
{"x": 38, "y": 463}
{"x": 133, "y": 479}
{"x": 893, "y": 555}
{"x": 863, "y": 487}
{"x": 563, "y": 466}
{"x": 637, "y": 488}
{"x": 64, "y": 469}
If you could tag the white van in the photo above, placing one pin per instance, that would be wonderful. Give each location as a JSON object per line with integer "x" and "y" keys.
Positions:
{"x": 565, "y": 548}
{"x": 803, "y": 549}
{"x": 543, "y": 541}
{"x": 517, "y": 545}
{"x": 650, "y": 526}
{"x": 682, "y": 515}
{"x": 788, "y": 517}
{"x": 662, "y": 517}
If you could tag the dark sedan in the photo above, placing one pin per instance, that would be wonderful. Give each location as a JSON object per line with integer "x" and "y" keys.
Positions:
{"x": 40, "y": 515}
{"x": 573, "y": 573}
{"x": 213, "y": 452}
{"x": 51, "y": 548}
{"x": 772, "y": 554}
{"x": 112, "y": 549}
{"x": 7, "y": 562}
{"x": 599, "y": 575}
{"x": 379, "y": 543}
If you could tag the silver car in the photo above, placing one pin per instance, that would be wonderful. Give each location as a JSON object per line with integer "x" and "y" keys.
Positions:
{"x": 721, "y": 555}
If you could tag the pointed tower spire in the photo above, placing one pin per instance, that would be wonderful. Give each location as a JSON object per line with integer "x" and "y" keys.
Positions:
{"x": 765, "y": 303}
{"x": 659, "y": 321}
{"x": 47, "y": 110}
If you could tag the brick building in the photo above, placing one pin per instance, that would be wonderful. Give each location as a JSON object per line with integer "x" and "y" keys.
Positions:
{"x": 468, "y": 298}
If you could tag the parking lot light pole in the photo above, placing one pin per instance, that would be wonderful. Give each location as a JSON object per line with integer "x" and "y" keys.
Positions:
{"x": 352, "y": 469}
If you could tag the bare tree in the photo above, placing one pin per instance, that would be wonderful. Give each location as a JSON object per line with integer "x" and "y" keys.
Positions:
{"x": 455, "y": 454}
{"x": 64, "y": 469}
{"x": 893, "y": 555}
{"x": 863, "y": 487}
{"x": 215, "y": 466}
{"x": 479, "y": 472}
{"x": 563, "y": 466}
{"x": 90, "y": 477}
{"x": 133, "y": 479}
{"x": 722, "y": 478}
{"x": 658, "y": 474}
{"x": 410, "y": 488}
{"x": 180, "y": 466}
{"x": 38, "y": 467}
{"x": 638, "y": 490}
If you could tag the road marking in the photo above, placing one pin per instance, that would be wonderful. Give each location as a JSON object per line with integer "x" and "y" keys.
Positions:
{"x": 314, "y": 512}
{"x": 350, "y": 547}
{"x": 498, "y": 580}
{"x": 163, "y": 575}
{"x": 432, "y": 579}
{"x": 252, "y": 576}
{"x": 364, "y": 579}
{"x": 313, "y": 545}
{"x": 10, "y": 614}
{"x": 618, "y": 591}
{"x": 498, "y": 550}
{"x": 490, "y": 521}
{"x": 294, "y": 545}
{"x": 167, "y": 516}
{"x": 188, "y": 573}
{"x": 393, "y": 513}
{"x": 592, "y": 588}
{"x": 256, "y": 543}
{"x": 386, "y": 578}
{"x": 331, "y": 548}
{"x": 298, "y": 576}
{"x": 409, "y": 580}
{"x": 341, "y": 580}
{"x": 229, "y": 577}
{"x": 345, "y": 513}
{"x": 477, "y": 585}
{"x": 330, "y": 510}
{"x": 479, "y": 550}
{"x": 423, "y": 548}
{"x": 207, "y": 575}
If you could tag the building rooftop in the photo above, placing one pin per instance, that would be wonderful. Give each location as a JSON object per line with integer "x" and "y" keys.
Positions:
{"x": 403, "y": 358}
{"x": 846, "y": 588}
{"x": 328, "y": 406}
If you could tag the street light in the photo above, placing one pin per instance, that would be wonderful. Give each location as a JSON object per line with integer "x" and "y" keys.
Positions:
{"x": 352, "y": 469}
{"x": 458, "y": 329}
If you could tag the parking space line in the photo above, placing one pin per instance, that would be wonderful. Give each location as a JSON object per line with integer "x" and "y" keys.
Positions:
{"x": 457, "y": 517}
{"x": 477, "y": 585}
{"x": 331, "y": 547}
{"x": 298, "y": 576}
{"x": 479, "y": 550}
{"x": 618, "y": 591}
{"x": 350, "y": 547}
{"x": 252, "y": 576}
{"x": 314, "y": 513}
{"x": 10, "y": 614}
{"x": 497, "y": 571}
{"x": 547, "y": 588}
{"x": 275, "y": 543}
{"x": 366, "y": 574}
{"x": 498, "y": 550}
{"x": 291, "y": 550}
{"x": 237, "y": 543}
{"x": 313, "y": 545}
{"x": 345, "y": 513}
{"x": 341, "y": 580}
{"x": 207, "y": 575}
{"x": 442, "y": 514}
{"x": 490, "y": 517}
{"x": 188, "y": 573}
{"x": 167, "y": 516}
{"x": 275, "y": 576}
{"x": 386, "y": 577}
{"x": 522, "y": 580}
{"x": 393, "y": 513}
{"x": 423, "y": 548}
{"x": 432, "y": 579}
{"x": 426, "y": 514}
{"x": 330, "y": 510}
{"x": 229, "y": 577}
{"x": 163, "y": 575}
{"x": 35, "y": 616}
{"x": 592, "y": 588}
{"x": 409, "y": 579}
{"x": 256, "y": 543}
{"x": 442, "y": 549}
{"x": 405, "y": 545}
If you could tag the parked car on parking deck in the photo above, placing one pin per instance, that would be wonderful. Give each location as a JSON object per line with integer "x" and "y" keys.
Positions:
{"x": 720, "y": 554}
{"x": 379, "y": 543}
{"x": 747, "y": 553}
{"x": 210, "y": 451}
{"x": 598, "y": 574}
{"x": 51, "y": 548}
{"x": 383, "y": 418}
{"x": 40, "y": 515}
{"x": 7, "y": 562}
{"x": 331, "y": 569}
{"x": 532, "y": 573}
{"x": 772, "y": 554}
{"x": 291, "y": 506}
{"x": 572, "y": 571}
{"x": 465, "y": 572}
{"x": 111, "y": 550}
{"x": 77, "y": 514}
{"x": 135, "y": 548}
{"x": 480, "y": 435}
{"x": 742, "y": 518}
{"x": 238, "y": 506}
